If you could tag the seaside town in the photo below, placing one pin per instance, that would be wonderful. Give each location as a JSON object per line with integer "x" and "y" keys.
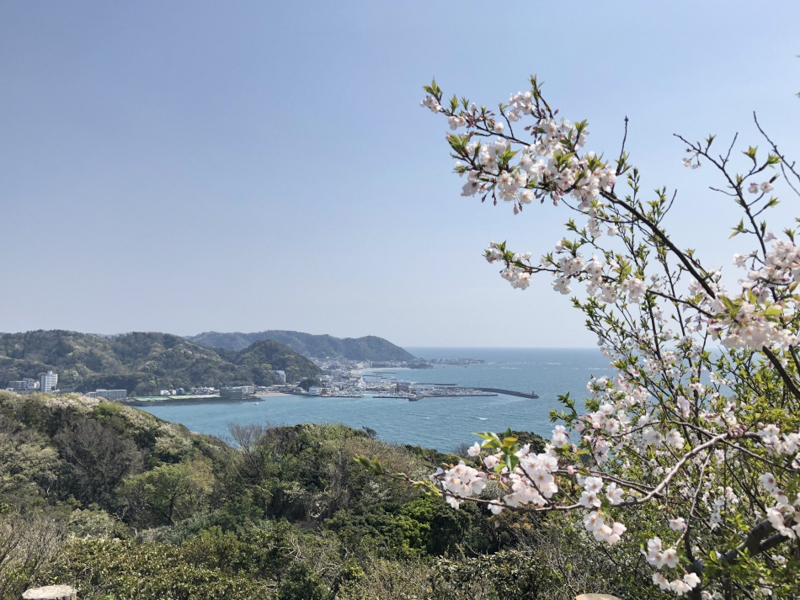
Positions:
{"x": 341, "y": 379}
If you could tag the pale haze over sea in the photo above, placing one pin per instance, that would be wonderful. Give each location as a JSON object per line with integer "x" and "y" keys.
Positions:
{"x": 441, "y": 423}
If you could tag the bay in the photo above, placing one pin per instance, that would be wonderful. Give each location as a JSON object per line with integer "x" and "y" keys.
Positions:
{"x": 440, "y": 423}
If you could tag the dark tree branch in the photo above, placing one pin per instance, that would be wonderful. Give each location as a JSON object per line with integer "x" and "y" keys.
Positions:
{"x": 787, "y": 379}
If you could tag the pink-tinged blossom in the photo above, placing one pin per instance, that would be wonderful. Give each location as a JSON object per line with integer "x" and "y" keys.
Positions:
{"x": 496, "y": 508}
{"x": 560, "y": 437}
{"x": 593, "y": 521}
{"x": 680, "y": 587}
{"x": 684, "y": 406}
{"x": 601, "y": 451}
{"x": 456, "y": 122}
{"x": 768, "y": 481}
{"x": 431, "y": 103}
{"x": 661, "y": 581}
{"x": 491, "y": 461}
{"x": 589, "y": 500}
{"x": 670, "y": 558}
{"x": 635, "y": 289}
{"x": 654, "y": 550}
{"x": 462, "y": 481}
{"x": 651, "y": 436}
{"x": 617, "y": 529}
{"x": 614, "y": 494}
{"x": 675, "y": 439}
{"x": 678, "y": 524}
{"x": 692, "y": 580}
{"x": 517, "y": 277}
{"x": 593, "y": 484}
{"x": 561, "y": 285}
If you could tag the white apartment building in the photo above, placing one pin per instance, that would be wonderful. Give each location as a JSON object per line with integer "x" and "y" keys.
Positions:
{"x": 48, "y": 383}
{"x": 281, "y": 374}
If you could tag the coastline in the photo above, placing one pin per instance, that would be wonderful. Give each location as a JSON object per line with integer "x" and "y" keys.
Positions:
{"x": 373, "y": 370}
{"x": 206, "y": 400}
{"x": 441, "y": 423}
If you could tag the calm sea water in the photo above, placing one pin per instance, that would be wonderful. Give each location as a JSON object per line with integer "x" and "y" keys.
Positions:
{"x": 441, "y": 423}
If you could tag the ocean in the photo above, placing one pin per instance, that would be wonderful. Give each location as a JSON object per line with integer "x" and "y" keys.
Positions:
{"x": 440, "y": 423}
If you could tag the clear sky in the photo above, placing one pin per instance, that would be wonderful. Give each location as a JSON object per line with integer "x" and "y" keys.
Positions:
{"x": 187, "y": 166}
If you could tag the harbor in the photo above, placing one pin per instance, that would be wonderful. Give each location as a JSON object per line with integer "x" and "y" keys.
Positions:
{"x": 343, "y": 382}
{"x": 441, "y": 422}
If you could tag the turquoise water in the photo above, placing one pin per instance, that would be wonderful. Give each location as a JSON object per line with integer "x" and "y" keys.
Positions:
{"x": 441, "y": 423}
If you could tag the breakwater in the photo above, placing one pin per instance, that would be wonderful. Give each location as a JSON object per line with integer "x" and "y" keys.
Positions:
{"x": 533, "y": 394}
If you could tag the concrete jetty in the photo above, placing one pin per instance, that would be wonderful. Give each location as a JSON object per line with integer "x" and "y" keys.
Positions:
{"x": 533, "y": 394}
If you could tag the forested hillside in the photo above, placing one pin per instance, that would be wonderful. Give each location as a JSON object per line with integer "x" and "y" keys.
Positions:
{"x": 142, "y": 363}
{"x": 317, "y": 346}
{"x": 125, "y": 506}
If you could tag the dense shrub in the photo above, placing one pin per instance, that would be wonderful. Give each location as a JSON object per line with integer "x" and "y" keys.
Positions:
{"x": 131, "y": 571}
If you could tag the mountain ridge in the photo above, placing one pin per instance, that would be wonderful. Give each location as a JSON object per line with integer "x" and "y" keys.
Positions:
{"x": 142, "y": 363}
{"x": 317, "y": 346}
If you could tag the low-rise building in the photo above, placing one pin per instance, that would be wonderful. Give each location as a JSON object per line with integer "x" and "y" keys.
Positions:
{"x": 237, "y": 392}
{"x": 203, "y": 390}
{"x": 111, "y": 394}
{"x": 23, "y": 385}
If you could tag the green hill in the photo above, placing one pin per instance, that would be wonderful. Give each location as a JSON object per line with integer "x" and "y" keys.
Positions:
{"x": 317, "y": 346}
{"x": 279, "y": 356}
{"x": 142, "y": 363}
{"x": 120, "y": 504}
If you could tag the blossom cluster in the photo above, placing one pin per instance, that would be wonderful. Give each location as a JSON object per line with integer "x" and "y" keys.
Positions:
{"x": 751, "y": 328}
{"x": 549, "y": 164}
{"x": 757, "y": 316}
{"x": 460, "y": 482}
{"x": 675, "y": 420}
{"x": 532, "y": 482}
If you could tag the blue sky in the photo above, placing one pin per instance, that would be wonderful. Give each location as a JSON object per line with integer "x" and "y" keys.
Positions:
{"x": 240, "y": 166}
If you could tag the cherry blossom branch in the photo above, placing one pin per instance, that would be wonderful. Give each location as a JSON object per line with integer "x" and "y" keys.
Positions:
{"x": 677, "y": 468}
{"x": 753, "y": 543}
{"x": 681, "y": 301}
{"x": 784, "y": 163}
{"x": 787, "y": 379}
{"x": 663, "y": 238}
